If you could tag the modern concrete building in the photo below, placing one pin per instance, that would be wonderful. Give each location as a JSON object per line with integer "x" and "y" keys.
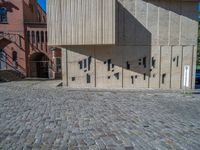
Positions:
{"x": 23, "y": 40}
{"x": 125, "y": 43}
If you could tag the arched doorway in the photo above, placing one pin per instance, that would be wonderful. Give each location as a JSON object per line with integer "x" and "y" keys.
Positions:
{"x": 39, "y": 65}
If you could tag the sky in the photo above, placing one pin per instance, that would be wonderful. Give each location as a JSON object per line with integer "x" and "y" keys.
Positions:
{"x": 42, "y": 4}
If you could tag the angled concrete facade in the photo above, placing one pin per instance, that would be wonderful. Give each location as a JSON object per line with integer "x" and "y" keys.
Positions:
{"x": 125, "y": 43}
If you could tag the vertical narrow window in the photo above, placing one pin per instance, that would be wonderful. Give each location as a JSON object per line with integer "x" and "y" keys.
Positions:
{"x": 14, "y": 56}
{"x": 33, "y": 37}
{"x": 58, "y": 64}
{"x": 46, "y": 38}
{"x": 177, "y": 61}
{"x": 144, "y": 62}
{"x": 163, "y": 78}
{"x": 144, "y": 76}
{"x": 132, "y": 79}
{"x": 3, "y": 15}
{"x": 80, "y": 64}
{"x": 88, "y": 78}
{"x": 153, "y": 62}
{"x": 89, "y": 62}
{"x": 113, "y": 66}
{"x": 28, "y": 36}
{"x": 42, "y": 36}
{"x": 37, "y": 37}
{"x": 128, "y": 65}
{"x": 85, "y": 63}
{"x": 109, "y": 64}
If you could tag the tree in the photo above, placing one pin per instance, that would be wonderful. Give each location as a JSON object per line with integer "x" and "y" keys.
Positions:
{"x": 198, "y": 50}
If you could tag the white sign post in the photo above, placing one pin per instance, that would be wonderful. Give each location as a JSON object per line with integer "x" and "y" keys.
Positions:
{"x": 186, "y": 77}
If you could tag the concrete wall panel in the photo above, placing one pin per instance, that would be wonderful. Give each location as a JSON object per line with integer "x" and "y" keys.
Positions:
{"x": 109, "y": 67}
{"x": 165, "y": 67}
{"x": 163, "y": 24}
{"x": 81, "y": 66}
{"x": 176, "y": 67}
{"x": 187, "y": 60}
{"x": 155, "y": 73}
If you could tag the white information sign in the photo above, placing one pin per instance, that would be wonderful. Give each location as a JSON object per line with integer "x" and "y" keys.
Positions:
{"x": 186, "y": 76}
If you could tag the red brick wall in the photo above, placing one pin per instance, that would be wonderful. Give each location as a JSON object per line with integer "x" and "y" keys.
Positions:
{"x": 23, "y": 16}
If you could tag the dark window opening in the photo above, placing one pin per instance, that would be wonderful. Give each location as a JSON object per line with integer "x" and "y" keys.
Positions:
{"x": 154, "y": 75}
{"x": 33, "y": 37}
{"x": 81, "y": 64}
{"x": 89, "y": 62}
{"x": 128, "y": 65}
{"x": 88, "y": 78}
{"x": 85, "y": 63}
{"x": 73, "y": 78}
{"x": 3, "y": 15}
{"x": 177, "y": 61}
{"x": 113, "y": 66}
{"x": 144, "y": 76}
{"x": 28, "y": 36}
{"x": 136, "y": 76}
{"x": 116, "y": 75}
{"x": 42, "y": 36}
{"x": 108, "y": 77}
{"x": 37, "y": 37}
{"x": 174, "y": 59}
{"x": 109, "y": 63}
{"x": 58, "y": 64}
{"x": 14, "y": 56}
{"x": 144, "y": 62}
{"x": 140, "y": 62}
{"x": 153, "y": 61}
{"x": 163, "y": 78}
{"x": 132, "y": 79}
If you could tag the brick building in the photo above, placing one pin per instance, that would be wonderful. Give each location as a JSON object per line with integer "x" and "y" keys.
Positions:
{"x": 125, "y": 43}
{"x": 23, "y": 40}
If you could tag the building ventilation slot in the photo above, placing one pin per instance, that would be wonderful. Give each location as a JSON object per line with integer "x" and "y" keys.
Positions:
{"x": 163, "y": 78}
{"x": 128, "y": 65}
{"x": 73, "y": 78}
{"x": 88, "y": 78}
{"x": 116, "y": 75}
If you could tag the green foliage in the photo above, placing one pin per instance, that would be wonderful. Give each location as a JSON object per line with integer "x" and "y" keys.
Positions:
{"x": 198, "y": 51}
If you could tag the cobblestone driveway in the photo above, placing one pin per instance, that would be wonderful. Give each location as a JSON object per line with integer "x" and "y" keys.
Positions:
{"x": 39, "y": 115}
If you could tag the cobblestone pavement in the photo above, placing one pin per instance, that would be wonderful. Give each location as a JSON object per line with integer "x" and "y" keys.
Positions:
{"x": 39, "y": 115}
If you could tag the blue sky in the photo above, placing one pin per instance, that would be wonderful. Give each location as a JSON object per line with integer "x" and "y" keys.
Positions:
{"x": 42, "y": 4}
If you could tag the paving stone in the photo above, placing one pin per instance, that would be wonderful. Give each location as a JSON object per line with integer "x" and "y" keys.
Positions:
{"x": 38, "y": 115}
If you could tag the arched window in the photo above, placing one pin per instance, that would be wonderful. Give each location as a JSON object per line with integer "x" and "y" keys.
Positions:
{"x": 37, "y": 37}
{"x": 3, "y": 15}
{"x": 33, "y": 37}
{"x": 42, "y": 36}
{"x": 14, "y": 56}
